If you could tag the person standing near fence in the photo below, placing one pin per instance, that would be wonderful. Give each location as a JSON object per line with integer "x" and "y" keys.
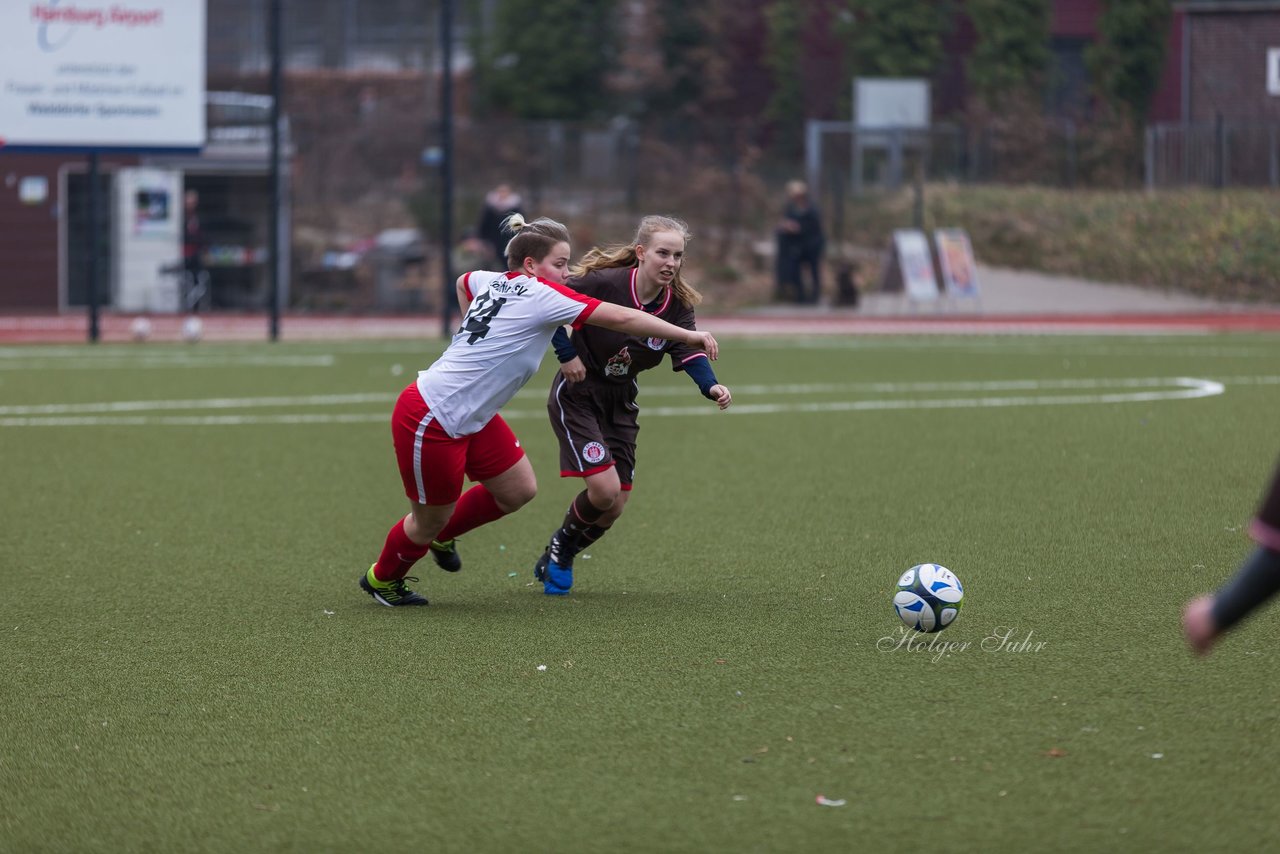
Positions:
{"x": 592, "y": 404}
{"x": 499, "y": 203}
{"x": 1206, "y": 618}
{"x": 193, "y": 246}
{"x": 799, "y": 247}
{"x": 446, "y": 424}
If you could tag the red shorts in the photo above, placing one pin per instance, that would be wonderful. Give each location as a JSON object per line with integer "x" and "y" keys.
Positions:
{"x": 432, "y": 462}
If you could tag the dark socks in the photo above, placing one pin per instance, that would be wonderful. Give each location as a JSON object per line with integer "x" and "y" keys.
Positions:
{"x": 567, "y": 541}
{"x": 590, "y": 535}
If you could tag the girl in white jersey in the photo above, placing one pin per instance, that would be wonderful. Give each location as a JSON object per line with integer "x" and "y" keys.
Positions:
{"x": 446, "y": 424}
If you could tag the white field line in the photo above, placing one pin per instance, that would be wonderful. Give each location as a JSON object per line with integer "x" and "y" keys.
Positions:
{"x": 1065, "y": 346}
{"x": 82, "y": 361}
{"x": 1139, "y": 390}
{"x": 206, "y": 403}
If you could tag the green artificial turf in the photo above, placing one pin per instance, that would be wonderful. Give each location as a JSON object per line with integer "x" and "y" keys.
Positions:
{"x": 187, "y": 664}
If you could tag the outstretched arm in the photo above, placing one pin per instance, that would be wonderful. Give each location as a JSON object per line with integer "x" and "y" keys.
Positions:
{"x": 1257, "y": 580}
{"x": 642, "y": 325}
{"x": 1206, "y": 618}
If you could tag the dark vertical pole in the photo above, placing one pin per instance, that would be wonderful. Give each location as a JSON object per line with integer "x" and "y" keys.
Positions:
{"x": 917, "y": 196}
{"x": 1071, "y": 154}
{"x": 1219, "y": 153}
{"x": 94, "y": 247}
{"x": 274, "y": 254}
{"x": 446, "y": 166}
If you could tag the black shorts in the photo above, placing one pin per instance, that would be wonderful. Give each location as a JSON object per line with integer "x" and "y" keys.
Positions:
{"x": 596, "y": 425}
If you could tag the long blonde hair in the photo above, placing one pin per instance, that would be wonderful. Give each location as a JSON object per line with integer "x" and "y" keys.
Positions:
{"x": 533, "y": 239}
{"x": 624, "y": 255}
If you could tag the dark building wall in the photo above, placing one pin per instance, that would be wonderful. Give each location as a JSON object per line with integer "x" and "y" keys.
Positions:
{"x": 1228, "y": 63}
{"x": 1166, "y": 104}
{"x": 1076, "y": 18}
{"x": 28, "y": 236}
{"x": 29, "y": 259}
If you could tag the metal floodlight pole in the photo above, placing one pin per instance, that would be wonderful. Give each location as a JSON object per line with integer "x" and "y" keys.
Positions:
{"x": 446, "y": 166}
{"x": 275, "y": 256}
{"x": 91, "y": 270}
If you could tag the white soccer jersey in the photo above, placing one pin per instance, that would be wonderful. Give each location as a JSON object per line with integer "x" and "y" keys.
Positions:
{"x": 498, "y": 347}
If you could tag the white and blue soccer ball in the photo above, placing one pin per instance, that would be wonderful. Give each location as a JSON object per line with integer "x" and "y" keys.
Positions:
{"x": 928, "y": 597}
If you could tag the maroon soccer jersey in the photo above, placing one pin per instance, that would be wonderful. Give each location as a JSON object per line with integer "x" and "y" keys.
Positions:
{"x": 616, "y": 358}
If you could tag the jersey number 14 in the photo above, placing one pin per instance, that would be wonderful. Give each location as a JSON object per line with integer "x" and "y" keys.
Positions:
{"x": 483, "y": 310}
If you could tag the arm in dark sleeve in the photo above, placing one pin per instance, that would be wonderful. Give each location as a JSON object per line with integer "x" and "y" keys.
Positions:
{"x": 565, "y": 351}
{"x": 692, "y": 360}
{"x": 699, "y": 370}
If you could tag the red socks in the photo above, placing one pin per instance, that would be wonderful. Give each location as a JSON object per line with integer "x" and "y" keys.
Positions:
{"x": 476, "y": 507}
{"x": 398, "y": 554}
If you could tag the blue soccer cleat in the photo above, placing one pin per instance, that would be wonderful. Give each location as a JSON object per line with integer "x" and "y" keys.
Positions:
{"x": 555, "y": 568}
{"x": 556, "y": 579}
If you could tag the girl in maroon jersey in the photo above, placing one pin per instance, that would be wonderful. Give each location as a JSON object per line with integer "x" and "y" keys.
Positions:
{"x": 593, "y": 399}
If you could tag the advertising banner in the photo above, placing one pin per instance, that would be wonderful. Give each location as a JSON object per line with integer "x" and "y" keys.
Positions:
{"x": 959, "y": 269}
{"x": 102, "y": 74}
{"x": 915, "y": 261}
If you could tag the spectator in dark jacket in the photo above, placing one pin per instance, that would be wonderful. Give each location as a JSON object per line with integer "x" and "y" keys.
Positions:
{"x": 499, "y": 204}
{"x": 800, "y": 244}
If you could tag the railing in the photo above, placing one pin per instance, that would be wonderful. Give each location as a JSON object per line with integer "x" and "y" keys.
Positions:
{"x": 1213, "y": 154}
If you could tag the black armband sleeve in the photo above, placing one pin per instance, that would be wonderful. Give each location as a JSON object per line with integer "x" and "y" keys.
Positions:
{"x": 564, "y": 348}
{"x": 699, "y": 370}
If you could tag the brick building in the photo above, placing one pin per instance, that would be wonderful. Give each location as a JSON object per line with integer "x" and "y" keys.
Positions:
{"x": 1229, "y": 51}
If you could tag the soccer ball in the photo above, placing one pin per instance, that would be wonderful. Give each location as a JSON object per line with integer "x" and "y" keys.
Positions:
{"x": 928, "y": 597}
{"x": 140, "y": 329}
{"x": 192, "y": 329}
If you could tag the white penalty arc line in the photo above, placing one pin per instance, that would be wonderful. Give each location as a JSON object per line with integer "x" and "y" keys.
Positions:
{"x": 1190, "y": 389}
{"x": 123, "y": 406}
{"x": 1182, "y": 388}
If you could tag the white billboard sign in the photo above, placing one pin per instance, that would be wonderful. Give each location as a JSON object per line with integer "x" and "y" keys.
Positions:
{"x": 102, "y": 74}
{"x": 883, "y": 103}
